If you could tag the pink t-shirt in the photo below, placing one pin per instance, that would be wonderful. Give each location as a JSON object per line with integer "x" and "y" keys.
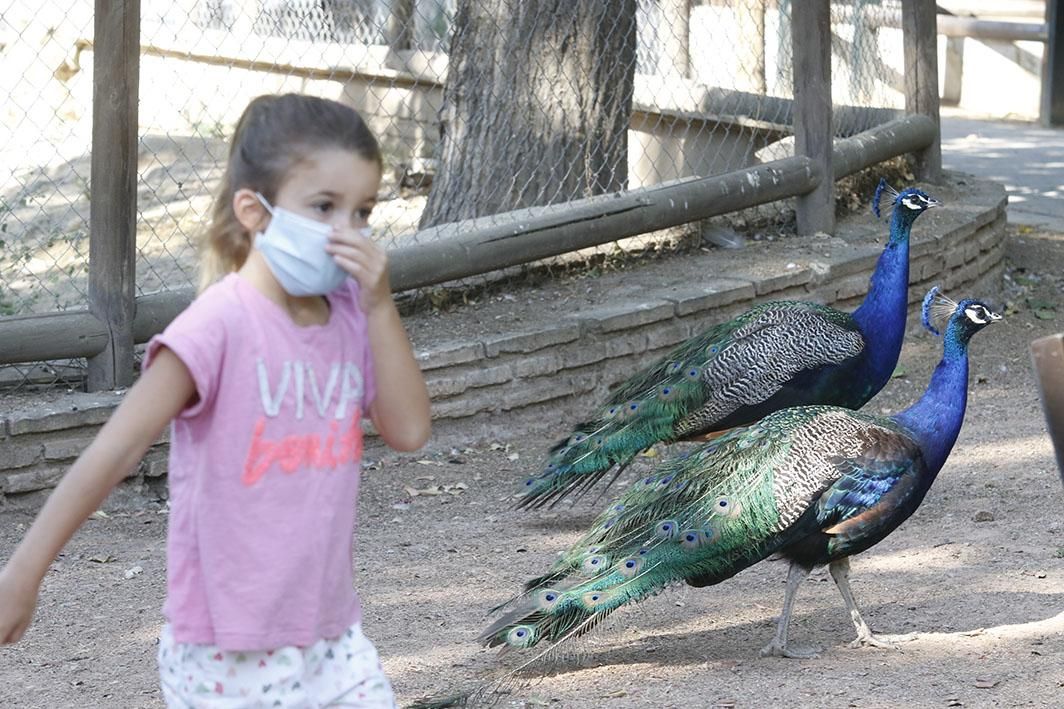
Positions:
{"x": 264, "y": 470}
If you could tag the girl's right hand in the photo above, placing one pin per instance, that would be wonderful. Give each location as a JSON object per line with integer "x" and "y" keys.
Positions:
{"x": 18, "y": 599}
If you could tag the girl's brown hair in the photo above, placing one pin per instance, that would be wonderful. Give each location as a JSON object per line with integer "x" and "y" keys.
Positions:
{"x": 272, "y": 136}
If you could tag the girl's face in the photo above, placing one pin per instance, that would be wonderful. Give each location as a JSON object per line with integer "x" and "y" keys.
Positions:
{"x": 335, "y": 187}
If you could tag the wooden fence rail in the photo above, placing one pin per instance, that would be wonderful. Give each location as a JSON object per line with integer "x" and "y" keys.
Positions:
{"x": 485, "y": 244}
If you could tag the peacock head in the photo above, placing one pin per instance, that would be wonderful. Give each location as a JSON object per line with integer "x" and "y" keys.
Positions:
{"x": 905, "y": 206}
{"x": 963, "y": 319}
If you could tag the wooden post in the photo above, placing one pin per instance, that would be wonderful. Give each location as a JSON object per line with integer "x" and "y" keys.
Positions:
{"x": 813, "y": 133}
{"x": 920, "y": 29}
{"x": 400, "y": 27}
{"x": 953, "y": 73}
{"x": 1047, "y": 354}
{"x": 953, "y": 79}
{"x": 113, "y": 185}
{"x": 1052, "y": 110}
{"x": 750, "y": 17}
{"x": 675, "y": 37}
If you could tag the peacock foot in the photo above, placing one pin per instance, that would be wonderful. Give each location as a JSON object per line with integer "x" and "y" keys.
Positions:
{"x": 776, "y": 649}
{"x": 887, "y": 642}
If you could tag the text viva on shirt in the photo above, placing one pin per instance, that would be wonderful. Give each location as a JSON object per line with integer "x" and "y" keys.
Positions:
{"x": 322, "y": 450}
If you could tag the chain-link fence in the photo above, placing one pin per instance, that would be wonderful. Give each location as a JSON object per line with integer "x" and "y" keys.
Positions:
{"x": 709, "y": 84}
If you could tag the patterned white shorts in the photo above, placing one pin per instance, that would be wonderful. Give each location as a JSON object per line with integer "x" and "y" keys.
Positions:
{"x": 339, "y": 672}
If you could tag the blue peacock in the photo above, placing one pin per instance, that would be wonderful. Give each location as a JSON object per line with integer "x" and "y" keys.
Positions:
{"x": 776, "y": 355}
{"x": 812, "y": 484}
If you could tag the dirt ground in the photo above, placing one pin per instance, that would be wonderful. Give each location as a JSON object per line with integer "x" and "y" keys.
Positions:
{"x": 978, "y": 571}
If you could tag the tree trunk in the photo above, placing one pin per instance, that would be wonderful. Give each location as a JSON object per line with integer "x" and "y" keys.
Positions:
{"x": 536, "y": 107}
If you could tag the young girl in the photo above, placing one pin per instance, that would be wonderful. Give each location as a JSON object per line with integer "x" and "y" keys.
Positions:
{"x": 266, "y": 377}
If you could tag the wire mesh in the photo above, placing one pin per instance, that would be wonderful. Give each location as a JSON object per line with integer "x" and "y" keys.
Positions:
{"x": 708, "y": 84}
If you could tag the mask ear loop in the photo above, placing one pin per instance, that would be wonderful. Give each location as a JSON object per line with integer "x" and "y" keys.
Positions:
{"x": 264, "y": 203}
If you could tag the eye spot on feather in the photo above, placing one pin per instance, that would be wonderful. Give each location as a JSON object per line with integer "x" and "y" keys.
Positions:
{"x": 594, "y": 564}
{"x": 520, "y": 636}
{"x": 693, "y": 373}
{"x": 710, "y": 534}
{"x": 547, "y": 598}
{"x": 664, "y": 482}
{"x": 691, "y": 539}
{"x": 673, "y": 367}
{"x": 666, "y": 529}
{"x": 612, "y": 411}
{"x": 577, "y": 438}
{"x": 712, "y": 349}
{"x": 628, "y": 568}
{"x": 593, "y": 599}
{"x": 609, "y": 523}
{"x": 666, "y": 392}
{"x": 726, "y": 507}
{"x": 618, "y": 508}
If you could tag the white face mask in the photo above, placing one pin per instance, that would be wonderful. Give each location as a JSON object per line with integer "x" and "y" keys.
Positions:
{"x": 294, "y": 249}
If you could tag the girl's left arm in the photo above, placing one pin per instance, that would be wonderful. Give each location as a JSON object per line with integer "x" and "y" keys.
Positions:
{"x": 400, "y": 411}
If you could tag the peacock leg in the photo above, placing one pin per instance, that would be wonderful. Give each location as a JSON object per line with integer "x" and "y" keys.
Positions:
{"x": 778, "y": 647}
{"x": 840, "y": 571}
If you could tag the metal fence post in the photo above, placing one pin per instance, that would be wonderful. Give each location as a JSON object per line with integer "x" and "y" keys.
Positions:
{"x": 813, "y": 132}
{"x": 919, "y": 20}
{"x": 113, "y": 186}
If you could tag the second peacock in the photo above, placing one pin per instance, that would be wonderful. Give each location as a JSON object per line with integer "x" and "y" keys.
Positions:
{"x": 814, "y": 484}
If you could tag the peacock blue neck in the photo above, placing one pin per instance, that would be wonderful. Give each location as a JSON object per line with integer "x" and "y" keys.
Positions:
{"x": 935, "y": 420}
{"x": 881, "y": 317}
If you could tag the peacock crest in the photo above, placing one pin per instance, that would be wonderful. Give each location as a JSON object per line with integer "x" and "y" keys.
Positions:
{"x": 911, "y": 200}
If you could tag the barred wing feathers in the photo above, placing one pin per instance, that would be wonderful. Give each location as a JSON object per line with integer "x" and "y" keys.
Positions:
{"x": 729, "y": 375}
